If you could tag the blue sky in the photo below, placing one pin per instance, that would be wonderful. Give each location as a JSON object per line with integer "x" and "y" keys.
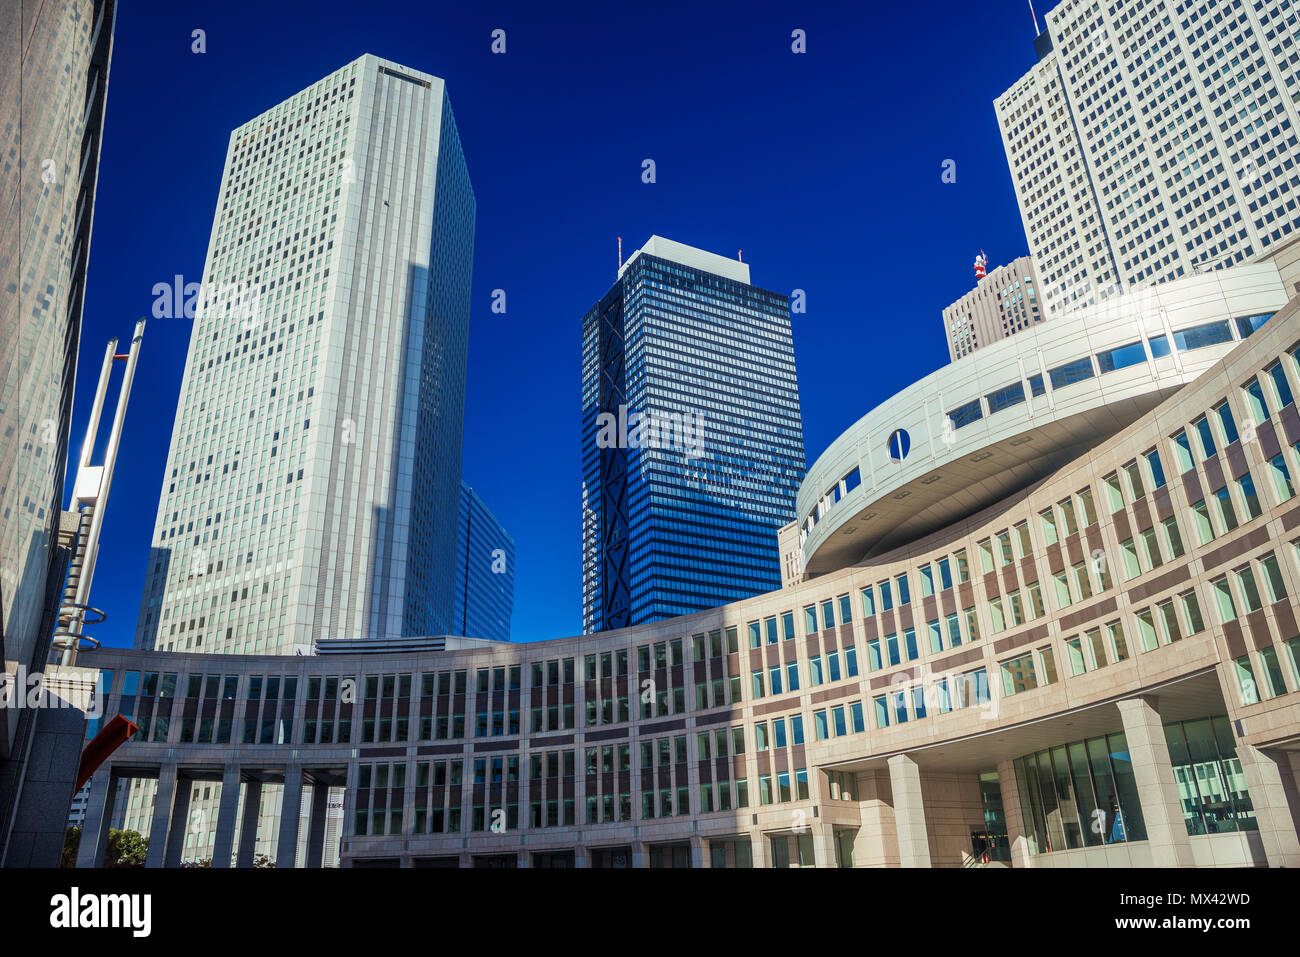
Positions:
{"x": 824, "y": 167}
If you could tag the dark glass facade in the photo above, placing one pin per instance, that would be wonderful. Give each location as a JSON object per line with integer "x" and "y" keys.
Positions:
{"x": 485, "y": 572}
{"x": 684, "y": 516}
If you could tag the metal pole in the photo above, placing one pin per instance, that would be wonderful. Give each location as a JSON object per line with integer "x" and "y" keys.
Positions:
{"x": 101, "y": 390}
{"x": 101, "y": 498}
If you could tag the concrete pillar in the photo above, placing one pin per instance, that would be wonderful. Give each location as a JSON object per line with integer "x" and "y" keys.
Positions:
{"x": 180, "y": 823}
{"x": 823, "y": 837}
{"x": 160, "y": 826}
{"x": 1269, "y": 777}
{"x": 320, "y": 805}
{"x": 909, "y": 812}
{"x": 227, "y": 810}
{"x": 1153, "y": 772}
{"x": 758, "y": 849}
{"x": 248, "y": 824}
{"x": 581, "y": 857}
{"x": 286, "y": 849}
{"x": 638, "y": 854}
{"x": 697, "y": 852}
{"x": 1017, "y": 836}
{"x": 99, "y": 813}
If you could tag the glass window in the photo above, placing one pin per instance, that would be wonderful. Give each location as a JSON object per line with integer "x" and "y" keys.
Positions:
{"x": 1121, "y": 357}
{"x": 1198, "y": 337}
{"x": 1223, "y": 598}
{"x": 1245, "y": 674}
{"x": 1226, "y": 512}
{"x": 1049, "y": 526}
{"x": 1006, "y": 397}
{"x": 1281, "y": 478}
{"x": 868, "y": 603}
{"x": 1226, "y": 423}
{"x": 904, "y": 595}
{"x": 1204, "y": 530}
{"x": 1156, "y": 470}
{"x": 1202, "y": 426}
{"x": 964, "y": 415}
{"x": 1071, "y": 372}
{"x": 1281, "y": 388}
{"x": 1183, "y": 451}
{"x": 1246, "y": 485}
{"x": 1255, "y": 400}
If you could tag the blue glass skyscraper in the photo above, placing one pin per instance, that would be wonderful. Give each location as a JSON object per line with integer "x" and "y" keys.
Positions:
{"x": 485, "y": 572}
{"x": 692, "y": 437}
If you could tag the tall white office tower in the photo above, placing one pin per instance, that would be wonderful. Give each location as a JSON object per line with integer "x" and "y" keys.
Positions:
{"x": 1154, "y": 139}
{"x": 313, "y": 481}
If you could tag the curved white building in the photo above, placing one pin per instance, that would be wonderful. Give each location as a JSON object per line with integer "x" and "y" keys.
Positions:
{"x": 989, "y": 424}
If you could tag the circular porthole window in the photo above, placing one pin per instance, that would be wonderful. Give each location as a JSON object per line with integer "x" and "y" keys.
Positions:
{"x": 900, "y": 443}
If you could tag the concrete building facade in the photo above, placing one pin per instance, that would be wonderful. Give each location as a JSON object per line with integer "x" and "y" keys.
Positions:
{"x": 1098, "y": 667}
{"x": 53, "y": 91}
{"x": 323, "y": 396}
{"x": 1154, "y": 140}
{"x": 1003, "y": 303}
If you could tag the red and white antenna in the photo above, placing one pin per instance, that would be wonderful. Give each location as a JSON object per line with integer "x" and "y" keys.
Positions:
{"x": 1037, "y": 32}
{"x": 981, "y": 264}
{"x": 620, "y": 252}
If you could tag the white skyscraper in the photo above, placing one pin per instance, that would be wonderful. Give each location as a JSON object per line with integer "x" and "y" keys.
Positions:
{"x": 1154, "y": 139}
{"x": 313, "y": 480}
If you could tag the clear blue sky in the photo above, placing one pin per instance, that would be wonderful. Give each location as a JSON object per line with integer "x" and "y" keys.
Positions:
{"x": 823, "y": 167}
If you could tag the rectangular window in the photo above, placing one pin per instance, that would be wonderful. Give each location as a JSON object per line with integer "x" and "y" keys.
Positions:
{"x": 1273, "y": 578}
{"x": 904, "y": 595}
{"x": 1121, "y": 357}
{"x": 963, "y": 566}
{"x": 1183, "y": 451}
{"x": 828, "y": 615}
{"x": 1227, "y": 426}
{"x": 1036, "y": 385}
{"x": 1113, "y": 492}
{"x": 1192, "y": 612}
{"x": 1227, "y": 514}
{"x": 1281, "y": 478}
{"x": 1223, "y": 599}
{"x": 1204, "y": 528}
{"x": 1147, "y": 630}
{"x": 1006, "y": 397}
{"x": 1202, "y": 427}
{"x": 1247, "y": 588}
{"x": 868, "y": 604}
{"x": 927, "y": 581}
{"x": 1246, "y": 486}
{"x": 1281, "y": 388}
{"x": 1255, "y": 400}
{"x": 1071, "y": 372}
{"x": 1198, "y": 337}
{"x": 964, "y": 415}
{"x": 1048, "y": 518}
{"x": 1155, "y": 469}
{"x": 846, "y": 609}
{"x": 1241, "y": 667}
{"x": 882, "y": 711}
{"x": 1274, "y": 683}
{"x": 1173, "y": 540}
